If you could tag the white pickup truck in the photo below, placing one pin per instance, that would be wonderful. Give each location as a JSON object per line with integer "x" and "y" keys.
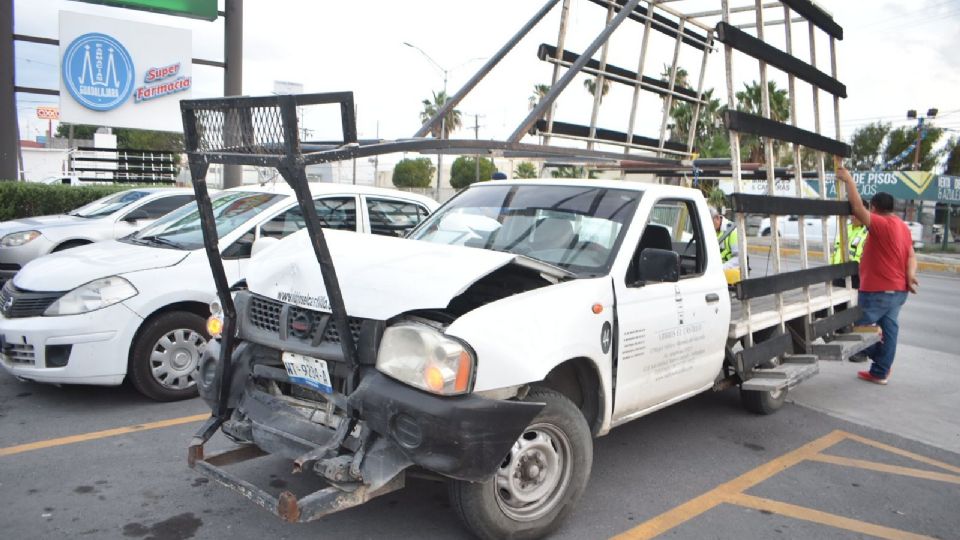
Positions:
{"x": 513, "y": 326}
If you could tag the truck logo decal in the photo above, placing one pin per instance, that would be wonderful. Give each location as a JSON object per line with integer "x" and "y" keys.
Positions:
{"x": 606, "y": 337}
{"x": 305, "y": 300}
{"x": 301, "y": 324}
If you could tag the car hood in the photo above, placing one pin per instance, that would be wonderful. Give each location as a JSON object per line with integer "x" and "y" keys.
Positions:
{"x": 380, "y": 277}
{"x": 65, "y": 270}
{"x": 41, "y": 223}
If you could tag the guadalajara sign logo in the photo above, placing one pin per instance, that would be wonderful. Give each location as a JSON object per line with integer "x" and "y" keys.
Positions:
{"x": 99, "y": 73}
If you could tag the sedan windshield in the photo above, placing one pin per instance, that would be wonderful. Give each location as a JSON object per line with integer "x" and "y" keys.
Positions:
{"x": 108, "y": 205}
{"x": 577, "y": 228}
{"x": 180, "y": 229}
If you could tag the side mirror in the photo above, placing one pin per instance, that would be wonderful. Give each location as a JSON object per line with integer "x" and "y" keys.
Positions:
{"x": 135, "y": 216}
{"x": 658, "y": 266}
{"x": 262, "y": 244}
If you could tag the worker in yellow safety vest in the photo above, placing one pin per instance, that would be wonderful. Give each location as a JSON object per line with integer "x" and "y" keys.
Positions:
{"x": 729, "y": 246}
{"x": 856, "y": 239}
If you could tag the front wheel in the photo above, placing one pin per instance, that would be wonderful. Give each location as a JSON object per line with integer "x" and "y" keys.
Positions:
{"x": 763, "y": 402}
{"x": 538, "y": 482}
{"x": 166, "y": 354}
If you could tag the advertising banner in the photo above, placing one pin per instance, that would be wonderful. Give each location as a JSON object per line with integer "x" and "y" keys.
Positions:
{"x": 197, "y": 9}
{"x": 120, "y": 73}
{"x": 904, "y": 185}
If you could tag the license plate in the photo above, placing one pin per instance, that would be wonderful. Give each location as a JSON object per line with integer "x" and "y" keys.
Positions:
{"x": 308, "y": 371}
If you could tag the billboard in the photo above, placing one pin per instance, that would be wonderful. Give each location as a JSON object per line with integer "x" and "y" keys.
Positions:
{"x": 120, "y": 73}
{"x": 197, "y": 9}
{"x": 905, "y": 185}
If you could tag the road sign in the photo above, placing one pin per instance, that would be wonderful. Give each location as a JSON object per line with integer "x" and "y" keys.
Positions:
{"x": 195, "y": 9}
{"x": 48, "y": 113}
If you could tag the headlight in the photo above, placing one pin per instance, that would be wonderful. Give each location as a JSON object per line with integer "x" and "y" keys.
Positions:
{"x": 95, "y": 295}
{"x": 421, "y": 356}
{"x": 19, "y": 238}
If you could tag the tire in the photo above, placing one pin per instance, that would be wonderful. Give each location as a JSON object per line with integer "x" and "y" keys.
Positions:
{"x": 763, "y": 402}
{"x": 69, "y": 245}
{"x": 165, "y": 355}
{"x": 559, "y": 440}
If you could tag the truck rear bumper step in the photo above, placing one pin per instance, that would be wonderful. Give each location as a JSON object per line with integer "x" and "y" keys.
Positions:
{"x": 780, "y": 377}
{"x": 845, "y": 345}
{"x": 286, "y": 506}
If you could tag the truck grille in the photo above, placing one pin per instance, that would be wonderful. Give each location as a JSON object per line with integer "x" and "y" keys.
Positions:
{"x": 17, "y": 303}
{"x": 265, "y": 313}
{"x": 19, "y": 354}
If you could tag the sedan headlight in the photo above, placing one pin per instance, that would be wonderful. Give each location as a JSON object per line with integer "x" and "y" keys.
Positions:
{"x": 95, "y": 295}
{"x": 421, "y": 356}
{"x": 19, "y": 238}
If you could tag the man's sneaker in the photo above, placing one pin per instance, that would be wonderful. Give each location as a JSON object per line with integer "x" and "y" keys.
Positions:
{"x": 858, "y": 358}
{"x": 867, "y": 376}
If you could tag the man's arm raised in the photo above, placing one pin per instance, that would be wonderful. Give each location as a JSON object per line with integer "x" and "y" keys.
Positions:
{"x": 859, "y": 210}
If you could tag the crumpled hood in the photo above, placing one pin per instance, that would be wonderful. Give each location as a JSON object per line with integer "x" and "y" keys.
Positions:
{"x": 379, "y": 276}
{"x": 65, "y": 270}
{"x": 40, "y": 223}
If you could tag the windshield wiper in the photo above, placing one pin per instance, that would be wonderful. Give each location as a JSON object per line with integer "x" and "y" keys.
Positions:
{"x": 158, "y": 240}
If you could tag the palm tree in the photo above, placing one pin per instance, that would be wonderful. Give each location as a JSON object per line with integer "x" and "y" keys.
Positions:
{"x": 451, "y": 122}
{"x": 591, "y": 86}
{"x": 540, "y": 91}
{"x": 750, "y": 100}
{"x": 525, "y": 169}
{"x": 683, "y": 78}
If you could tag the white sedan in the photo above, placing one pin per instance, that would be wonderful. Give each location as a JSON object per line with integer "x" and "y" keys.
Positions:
{"x": 23, "y": 240}
{"x": 137, "y": 307}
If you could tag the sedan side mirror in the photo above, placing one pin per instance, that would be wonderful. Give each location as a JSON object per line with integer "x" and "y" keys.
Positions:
{"x": 658, "y": 266}
{"x": 135, "y": 216}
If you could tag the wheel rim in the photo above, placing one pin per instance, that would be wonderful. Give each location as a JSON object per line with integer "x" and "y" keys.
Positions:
{"x": 175, "y": 358}
{"x": 532, "y": 479}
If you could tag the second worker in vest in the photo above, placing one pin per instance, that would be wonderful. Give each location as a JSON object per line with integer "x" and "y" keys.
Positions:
{"x": 729, "y": 246}
{"x": 856, "y": 239}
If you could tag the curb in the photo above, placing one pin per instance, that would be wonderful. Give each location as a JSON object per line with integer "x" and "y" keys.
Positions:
{"x": 923, "y": 266}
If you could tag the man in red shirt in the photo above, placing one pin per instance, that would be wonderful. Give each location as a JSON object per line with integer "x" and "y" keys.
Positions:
{"x": 888, "y": 269}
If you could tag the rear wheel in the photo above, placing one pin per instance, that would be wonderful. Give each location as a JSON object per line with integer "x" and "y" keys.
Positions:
{"x": 763, "y": 402}
{"x": 538, "y": 482}
{"x": 166, "y": 354}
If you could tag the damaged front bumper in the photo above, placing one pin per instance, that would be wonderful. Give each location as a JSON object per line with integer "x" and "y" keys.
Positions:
{"x": 359, "y": 444}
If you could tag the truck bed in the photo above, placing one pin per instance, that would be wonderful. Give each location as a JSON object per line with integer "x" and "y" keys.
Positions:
{"x": 763, "y": 311}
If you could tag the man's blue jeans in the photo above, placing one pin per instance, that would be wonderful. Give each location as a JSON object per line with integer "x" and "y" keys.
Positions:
{"x": 882, "y": 308}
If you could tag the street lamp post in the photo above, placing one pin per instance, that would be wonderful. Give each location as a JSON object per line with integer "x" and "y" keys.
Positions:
{"x": 931, "y": 114}
{"x": 443, "y": 119}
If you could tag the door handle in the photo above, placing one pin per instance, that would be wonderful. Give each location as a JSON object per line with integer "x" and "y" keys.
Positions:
{"x": 713, "y": 297}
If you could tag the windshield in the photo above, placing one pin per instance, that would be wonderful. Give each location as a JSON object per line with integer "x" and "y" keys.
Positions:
{"x": 577, "y": 228}
{"x": 108, "y": 205}
{"x": 180, "y": 229}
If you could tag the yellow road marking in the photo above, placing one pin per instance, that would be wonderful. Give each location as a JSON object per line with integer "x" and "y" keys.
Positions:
{"x": 904, "y": 453}
{"x": 72, "y": 439}
{"x": 884, "y": 468}
{"x": 693, "y": 508}
{"x": 823, "y": 518}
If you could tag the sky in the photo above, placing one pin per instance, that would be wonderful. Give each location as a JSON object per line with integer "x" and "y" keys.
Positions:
{"x": 894, "y": 56}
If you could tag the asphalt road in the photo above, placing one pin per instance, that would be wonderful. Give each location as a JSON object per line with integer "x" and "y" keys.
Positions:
{"x": 701, "y": 469}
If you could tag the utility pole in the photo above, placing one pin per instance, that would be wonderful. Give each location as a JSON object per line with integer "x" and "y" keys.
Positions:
{"x": 931, "y": 114}
{"x": 10, "y": 134}
{"x": 233, "y": 72}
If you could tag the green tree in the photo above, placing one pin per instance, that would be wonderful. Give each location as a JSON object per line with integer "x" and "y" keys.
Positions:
{"x": 540, "y": 91}
{"x": 711, "y": 138}
{"x": 899, "y": 139}
{"x": 750, "y": 100}
{"x": 682, "y": 80}
{"x": 591, "y": 86}
{"x": 431, "y": 106}
{"x": 568, "y": 171}
{"x": 525, "y": 169}
{"x": 953, "y": 157}
{"x": 80, "y": 131}
{"x": 463, "y": 172}
{"x": 867, "y": 145}
{"x": 413, "y": 173}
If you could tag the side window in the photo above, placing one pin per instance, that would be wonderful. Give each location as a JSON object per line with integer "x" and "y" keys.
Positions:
{"x": 393, "y": 218}
{"x": 673, "y": 225}
{"x": 334, "y": 213}
{"x": 165, "y": 205}
{"x": 241, "y": 247}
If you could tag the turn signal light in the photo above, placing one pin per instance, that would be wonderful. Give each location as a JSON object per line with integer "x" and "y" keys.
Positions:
{"x": 214, "y": 326}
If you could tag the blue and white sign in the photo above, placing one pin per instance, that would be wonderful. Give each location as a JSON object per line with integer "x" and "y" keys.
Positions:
{"x": 98, "y": 71}
{"x": 121, "y": 73}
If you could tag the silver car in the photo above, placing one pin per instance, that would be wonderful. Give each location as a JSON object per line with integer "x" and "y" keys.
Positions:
{"x": 114, "y": 216}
